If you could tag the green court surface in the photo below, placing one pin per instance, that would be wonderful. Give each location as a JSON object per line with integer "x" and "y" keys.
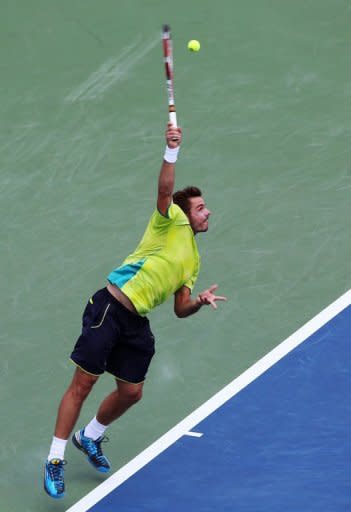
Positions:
{"x": 265, "y": 109}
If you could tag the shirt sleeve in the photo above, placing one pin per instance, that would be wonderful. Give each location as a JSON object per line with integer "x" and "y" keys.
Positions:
{"x": 174, "y": 214}
{"x": 191, "y": 282}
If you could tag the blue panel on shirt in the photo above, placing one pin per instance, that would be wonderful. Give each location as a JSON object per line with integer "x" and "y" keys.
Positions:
{"x": 121, "y": 275}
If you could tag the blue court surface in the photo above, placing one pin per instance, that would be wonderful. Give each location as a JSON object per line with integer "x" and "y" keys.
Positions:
{"x": 276, "y": 438}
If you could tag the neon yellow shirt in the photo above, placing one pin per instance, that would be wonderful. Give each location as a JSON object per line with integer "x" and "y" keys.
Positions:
{"x": 166, "y": 259}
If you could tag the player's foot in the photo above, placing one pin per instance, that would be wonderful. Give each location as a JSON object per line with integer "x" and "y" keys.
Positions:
{"x": 92, "y": 450}
{"x": 54, "y": 483}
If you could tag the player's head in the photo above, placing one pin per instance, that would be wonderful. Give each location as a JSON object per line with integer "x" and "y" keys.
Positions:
{"x": 190, "y": 200}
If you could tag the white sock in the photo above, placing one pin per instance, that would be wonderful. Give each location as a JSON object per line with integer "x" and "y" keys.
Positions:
{"x": 94, "y": 429}
{"x": 57, "y": 448}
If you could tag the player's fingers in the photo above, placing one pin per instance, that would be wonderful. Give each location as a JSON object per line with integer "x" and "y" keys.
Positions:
{"x": 213, "y": 288}
{"x": 173, "y": 142}
{"x": 213, "y": 304}
{"x": 173, "y": 135}
{"x": 175, "y": 129}
{"x": 220, "y": 297}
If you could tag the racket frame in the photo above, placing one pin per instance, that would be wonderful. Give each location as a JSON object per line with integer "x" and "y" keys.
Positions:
{"x": 169, "y": 69}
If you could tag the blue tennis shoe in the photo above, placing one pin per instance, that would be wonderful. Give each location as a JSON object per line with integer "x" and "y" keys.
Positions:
{"x": 92, "y": 450}
{"x": 54, "y": 483}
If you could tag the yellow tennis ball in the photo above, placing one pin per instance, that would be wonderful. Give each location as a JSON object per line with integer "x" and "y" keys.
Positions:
{"x": 193, "y": 45}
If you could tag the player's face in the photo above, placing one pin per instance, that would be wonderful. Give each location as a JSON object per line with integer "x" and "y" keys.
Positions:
{"x": 198, "y": 214}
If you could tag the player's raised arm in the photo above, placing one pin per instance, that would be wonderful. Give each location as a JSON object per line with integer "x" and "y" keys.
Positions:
{"x": 166, "y": 177}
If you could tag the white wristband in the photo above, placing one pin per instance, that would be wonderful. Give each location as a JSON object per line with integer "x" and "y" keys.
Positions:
{"x": 171, "y": 154}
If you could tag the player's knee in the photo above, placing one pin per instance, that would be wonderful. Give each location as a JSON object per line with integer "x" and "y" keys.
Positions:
{"x": 81, "y": 388}
{"x": 132, "y": 395}
{"x": 135, "y": 396}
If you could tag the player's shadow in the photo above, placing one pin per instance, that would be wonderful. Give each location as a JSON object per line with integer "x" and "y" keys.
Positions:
{"x": 81, "y": 471}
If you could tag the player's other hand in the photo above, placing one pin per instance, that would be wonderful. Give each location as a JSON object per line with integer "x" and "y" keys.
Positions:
{"x": 208, "y": 297}
{"x": 173, "y": 136}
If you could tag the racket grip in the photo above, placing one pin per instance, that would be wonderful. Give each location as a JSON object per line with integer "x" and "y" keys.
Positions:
{"x": 173, "y": 119}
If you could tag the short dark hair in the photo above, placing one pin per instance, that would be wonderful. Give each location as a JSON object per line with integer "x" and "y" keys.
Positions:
{"x": 181, "y": 197}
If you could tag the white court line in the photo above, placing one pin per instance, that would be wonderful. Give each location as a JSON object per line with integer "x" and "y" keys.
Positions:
{"x": 188, "y": 423}
{"x": 194, "y": 434}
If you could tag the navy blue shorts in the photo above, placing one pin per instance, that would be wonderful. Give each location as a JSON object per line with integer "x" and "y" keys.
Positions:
{"x": 114, "y": 339}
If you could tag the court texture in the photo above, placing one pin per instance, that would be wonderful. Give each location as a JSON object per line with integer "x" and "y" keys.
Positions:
{"x": 245, "y": 408}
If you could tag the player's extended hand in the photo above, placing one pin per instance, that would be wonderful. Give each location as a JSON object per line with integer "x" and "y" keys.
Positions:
{"x": 173, "y": 136}
{"x": 208, "y": 297}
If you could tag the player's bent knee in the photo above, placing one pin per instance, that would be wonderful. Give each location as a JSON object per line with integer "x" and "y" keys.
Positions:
{"x": 80, "y": 392}
{"x": 137, "y": 395}
{"x": 131, "y": 393}
{"x": 133, "y": 396}
{"x": 81, "y": 385}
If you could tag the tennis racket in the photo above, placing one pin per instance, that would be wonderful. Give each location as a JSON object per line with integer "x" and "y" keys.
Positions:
{"x": 168, "y": 60}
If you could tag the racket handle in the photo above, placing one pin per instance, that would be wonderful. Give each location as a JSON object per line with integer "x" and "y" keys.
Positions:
{"x": 173, "y": 119}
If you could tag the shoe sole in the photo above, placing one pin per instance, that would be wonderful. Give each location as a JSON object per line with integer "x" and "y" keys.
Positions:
{"x": 57, "y": 497}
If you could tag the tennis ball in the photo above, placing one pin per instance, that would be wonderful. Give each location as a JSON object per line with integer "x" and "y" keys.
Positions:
{"x": 194, "y": 46}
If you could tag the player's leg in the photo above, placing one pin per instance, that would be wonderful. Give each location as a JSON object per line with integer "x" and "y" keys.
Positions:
{"x": 128, "y": 362}
{"x": 67, "y": 416}
{"x": 119, "y": 401}
{"x": 90, "y": 438}
{"x": 99, "y": 332}
{"x": 72, "y": 402}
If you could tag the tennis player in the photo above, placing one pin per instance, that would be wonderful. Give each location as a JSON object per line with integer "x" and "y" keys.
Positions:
{"x": 116, "y": 335}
